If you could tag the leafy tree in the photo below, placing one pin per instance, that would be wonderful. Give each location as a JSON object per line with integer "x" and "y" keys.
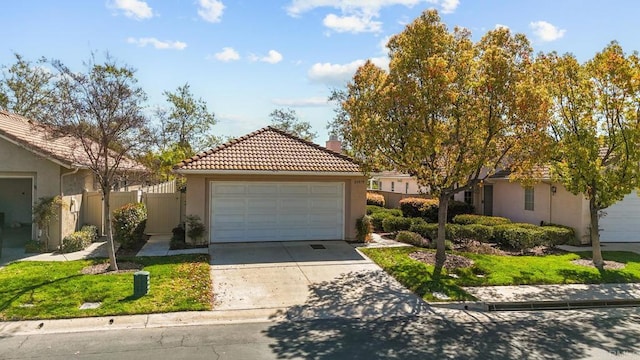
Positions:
{"x": 338, "y": 125}
{"x": 27, "y": 88}
{"x": 449, "y": 111}
{"x": 102, "y": 109}
{"x": 45, "y": 210}
{"x": 187, "y": 122}
{"x": 596, "y": 128}
{"x": 288, "y": 121}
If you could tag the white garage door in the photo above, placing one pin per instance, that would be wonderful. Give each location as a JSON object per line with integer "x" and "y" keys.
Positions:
{"x": 276, "y": 211}
{"x": 622, "y": 221}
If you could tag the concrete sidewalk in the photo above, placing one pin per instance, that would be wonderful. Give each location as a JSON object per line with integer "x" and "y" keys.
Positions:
{"x": 158, "y": 245}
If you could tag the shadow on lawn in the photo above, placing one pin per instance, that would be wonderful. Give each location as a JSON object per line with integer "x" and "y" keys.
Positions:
{"x": 363, "y": 316}
{"x": 21, "y": 291}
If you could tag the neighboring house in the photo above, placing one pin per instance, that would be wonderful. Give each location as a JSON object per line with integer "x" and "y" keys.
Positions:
{"x": 550, "y": 202}
{"x": 272, "y": 186}
{"x": 35, "y": 164}
{"x": 395, "y": 186}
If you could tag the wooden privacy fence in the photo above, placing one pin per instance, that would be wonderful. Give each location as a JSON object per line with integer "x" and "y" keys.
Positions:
{"x": 164, "y": 210}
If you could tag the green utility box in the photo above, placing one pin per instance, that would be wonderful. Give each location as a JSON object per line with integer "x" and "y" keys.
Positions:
{"x": 141, "y": 283}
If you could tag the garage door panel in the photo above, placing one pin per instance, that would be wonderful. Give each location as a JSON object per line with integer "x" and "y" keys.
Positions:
{"x": 622, "y": 221}
{"x": 272, "y": 211}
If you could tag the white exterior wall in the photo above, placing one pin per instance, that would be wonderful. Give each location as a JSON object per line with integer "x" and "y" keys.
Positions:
{"x": 400, "y": 185}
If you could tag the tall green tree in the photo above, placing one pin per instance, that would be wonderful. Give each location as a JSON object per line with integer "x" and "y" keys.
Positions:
{"x": 287, "y": 120}
{"x": 187, "y": 122}
{"x": 27, "y": 87}
{"x": 449, "y": 111}
{"x": 102, "y": 108}
{"x": 596, "y": 128}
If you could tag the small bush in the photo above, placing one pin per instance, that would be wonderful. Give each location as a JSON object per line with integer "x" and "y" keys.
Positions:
{"x": 364, "y": 227}
{"x": 91, "y": 231}
{"x": 79, "y": 240}
{"x": 178, "y": 238}
{"x": 196, "y": 228}
{"x": 128, "y": 225}
{"x": 477, "y": 232}
{"x": 426, "y": 230}
{"x": 448, "y": 245}
{"x": 375, "y": 199}
{"x": 34, "y": 246}
{"x": 419, "y": 207}
{"x": 372, "y": 209}
{"x": 519, "y": 237}
{"x": 396, "y": 223}
{"x": 558, "y": 235}
{"x": 456, "y": 208}
{"x": 412, "y": 238}
{"x": 466, "y": 219}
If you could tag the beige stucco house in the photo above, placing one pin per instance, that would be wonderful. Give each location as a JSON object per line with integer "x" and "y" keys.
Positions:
{"x": 35, "y": 164}
{"x": 272, "y": 186}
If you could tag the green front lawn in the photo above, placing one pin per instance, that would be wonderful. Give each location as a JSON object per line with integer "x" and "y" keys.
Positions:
{"x": 50, "y": 290}
{"x": 500, "y": 270}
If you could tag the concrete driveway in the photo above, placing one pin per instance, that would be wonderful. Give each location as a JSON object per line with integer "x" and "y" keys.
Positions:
{"x": 306, "y": 280}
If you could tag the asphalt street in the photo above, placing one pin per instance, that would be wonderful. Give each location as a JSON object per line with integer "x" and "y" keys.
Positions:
{"x": 443, "y": 334}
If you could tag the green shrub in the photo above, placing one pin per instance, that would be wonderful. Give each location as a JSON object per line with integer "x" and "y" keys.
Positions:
{"x": 426, "y": 230}
{"x": 375, "y": 199}
{"x": 377, "y": 218}
{"x": 195, "y": 228}
{"x": 412, "y": 238}
{"x": 466, "y": 219}
{"x": 34, "y": 246}
{"x": 418, "y": 221}
{"x": 558, "y": 235}
{"x": 418, "y": 207}
{"x": 456, "y": 208}
{"x": 396, "y": 223}
{"x": 128, "y": 224}
{"x": 178, "y": 238}
{"x": 477, "y": 232}
{"x": 79, "y": 240}
{"x": 91, "y": 231}
{"x": 448, "y": 245}
{"x": 372, "y": 209}
{"x": 364, "y": 227}
{"x": 519, "y": 236}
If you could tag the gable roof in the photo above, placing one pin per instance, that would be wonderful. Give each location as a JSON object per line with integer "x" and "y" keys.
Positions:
{"x": 269, "y": 150}
{"x": 39, "y": 139}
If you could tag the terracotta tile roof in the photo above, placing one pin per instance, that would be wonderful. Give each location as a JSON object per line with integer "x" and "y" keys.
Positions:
{"x": 544, "y": 173}
{"x": 270, "y": 149}
{"x": 37, "y": 138}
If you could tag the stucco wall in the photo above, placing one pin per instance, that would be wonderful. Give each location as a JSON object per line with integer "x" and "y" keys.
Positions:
{"x": 18, "y": 162}
{"x": 73, "y": 186}
{"x": 400, "y": 185}
{"x": 560, "y": 207}
{"x": 355, "y": 194}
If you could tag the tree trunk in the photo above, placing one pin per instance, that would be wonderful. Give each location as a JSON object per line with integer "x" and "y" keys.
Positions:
{"x": 595, "y": 235}
{"x": 441, "y": 255}
{"x": 113, "y": 265}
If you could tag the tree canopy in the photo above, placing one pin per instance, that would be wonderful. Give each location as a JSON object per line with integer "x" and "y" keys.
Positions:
{"x": 449, "y": 111}
{"x": 596, "y": 128}
{"x": 287, "y": 120}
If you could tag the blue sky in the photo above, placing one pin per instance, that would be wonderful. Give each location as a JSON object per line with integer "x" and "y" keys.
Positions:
{"x": 247, "y": 58}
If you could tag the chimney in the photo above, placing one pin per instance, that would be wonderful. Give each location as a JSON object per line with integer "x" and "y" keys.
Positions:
{"x": 334, "y": 144}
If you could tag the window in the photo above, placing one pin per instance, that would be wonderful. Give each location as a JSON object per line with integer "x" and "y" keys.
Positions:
{"x": 406, "y": 188}
{"x": 468, "y": 197}
{"x": 528, "y": 198}
{"x": 393, "y": 186}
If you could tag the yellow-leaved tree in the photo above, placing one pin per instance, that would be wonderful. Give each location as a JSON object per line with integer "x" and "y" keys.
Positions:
{"x": 596, "y": 129}
{"x": 449, "y": 111}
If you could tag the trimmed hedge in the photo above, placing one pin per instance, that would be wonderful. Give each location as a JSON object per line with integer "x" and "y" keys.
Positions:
{"x": 375, "y": 199}
{"x": 466, "y": 219}
{"x": 428, "y": 208}
{"x": 412, "y": 238}
{"x": 518, "y": 237}
{"x": 558, "y": 234}
{"x": 396, "y": 223}
{"x": 79, "y": 240}
{"x": 129, "y": 222}
{"x": 478, "y": 232}
{"x": 379, "y": 215}
{"x": 364, "y": 227}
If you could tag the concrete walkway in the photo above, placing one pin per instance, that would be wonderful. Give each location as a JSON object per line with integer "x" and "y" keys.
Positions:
{"x": 95, "y": 250}
{"x": 632, "y": 247}
{"x": 158, "y": 245}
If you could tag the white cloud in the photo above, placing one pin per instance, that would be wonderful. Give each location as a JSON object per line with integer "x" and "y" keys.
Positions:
{"x": 227, "y": 54}
{"x": 340, "y": 74}
{"x": 546, "y": 31}
{"x": 500, "y": 26}
{"x": 273, "y": 57}
{"x": 211, "y": 10}
{"x": 160, "y": 45}
{"x": 351, "y": 23}
{"x": 307, "y": 102}
{"x": 448, "y": 6}
{"x": 135, "y": 9}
